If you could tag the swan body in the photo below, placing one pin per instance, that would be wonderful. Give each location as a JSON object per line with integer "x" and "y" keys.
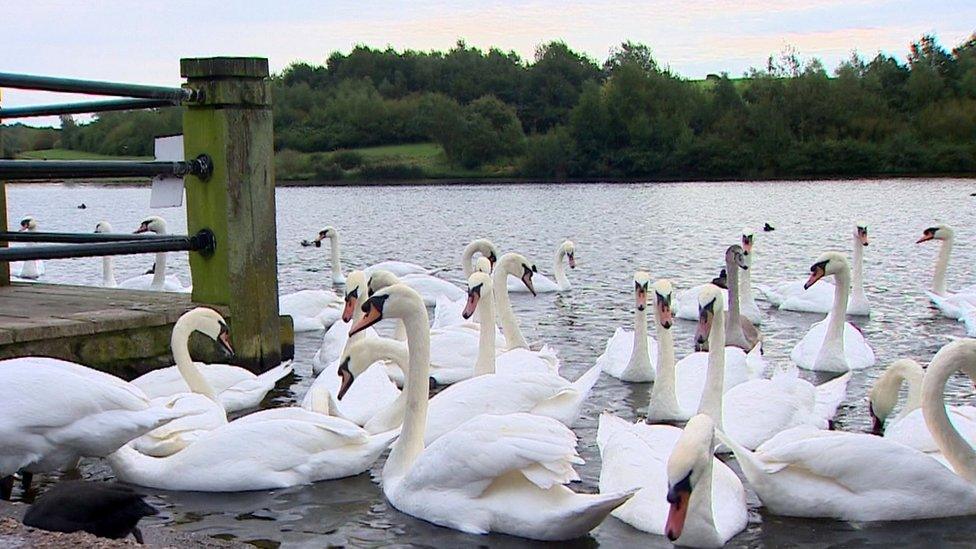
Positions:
{"x": 853, "y": 476}
{"x": 266, "y": 450}
{"x": 639, "y": 456}
{"x": 33, "y": 269}
{"x": 627, "y": 355}
{"x": 158, "y": 281}
{"x": 494, "y": 473}
{"x": 952, "y": 305}
{"x": 431, "y": 288}
{"x": 399, "y": 268}
{"x": 833, "y": 345}
{"x": 56, "y": 412}
{"x": 311, "y": 310}
{"x": 819, "y": 298}
{"x": 235, "y": 388}
{"x": 542, "y": 284}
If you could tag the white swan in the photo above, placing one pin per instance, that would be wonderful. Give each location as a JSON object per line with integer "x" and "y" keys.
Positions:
{"x": 627, "y": 355}
{"x": 236, "y": 388}
{"x": 108, "y": 262}
{"x": 375, "y": 390}
{"x": 684, "y": 492}
{"x": 747, "y": 298}
{"x": 517, "y": 265}
{"x": 399, "y": 268}
{"x": 860, "y": 477}
{"x": 158, "y": 281}
{"x": 953, "y": 305}
{"x": 448, "y": 312}
{"x": 542, "y": 284}
{"x": 311, "y": 310}
{"x": 833, "y": 345}
{"x": 494, "y": 473}
{"x": 266, "y": 450}
{"x": 208, "y": 413}
{"x": 908, "y": 427}
{"x": 514, "y": 381}
{"x": 56, "y": 412}
{"x": 681, "y": 388}
{"x": 337, "y": 335}
{"x": 482, "y": 246}
{"x": 796, "y": 296}
{"x": 32, "y": 269}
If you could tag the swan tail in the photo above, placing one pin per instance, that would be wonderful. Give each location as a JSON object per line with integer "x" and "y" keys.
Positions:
{"x": 114, "y": 428}
{"x": 752, "y": 466}
{"x": 585, "y": 383}
{"x": 272, "y": 376}
{"x": 948, "y": 309}
{"x": 830, "y": 395}
{"x": 969, "y": 319}
{"x": 586, "y": 512}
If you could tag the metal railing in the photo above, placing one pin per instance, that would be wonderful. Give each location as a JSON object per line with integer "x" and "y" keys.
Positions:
{"x": 101, "y": 244}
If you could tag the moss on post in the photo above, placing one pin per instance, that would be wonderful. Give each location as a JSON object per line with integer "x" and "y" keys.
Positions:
{"x": 233, "y": 125}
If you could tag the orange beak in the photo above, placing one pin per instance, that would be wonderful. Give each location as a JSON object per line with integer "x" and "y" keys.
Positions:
{"x": 863, "y": 237}
{"x": 704, "y": 327}
{"x": 746, "y": 245}
{"x": 572, "y": 260}
{"x": 372, "y": 316}
{"x": 349, "y": 308}
{"x": 472, "y": 305}
{"x": 816, "y": 275}
{"x": 641, "y": 297}
{"x": 925, "y": 238}
{"x": 142, "y": 228}
{"x": 347, "y": 379}
{"x": 676, "y": 516}
{"x": 527, "y": 280}
{"x": 667, "y": 317}
{"x": 224, "y": 339}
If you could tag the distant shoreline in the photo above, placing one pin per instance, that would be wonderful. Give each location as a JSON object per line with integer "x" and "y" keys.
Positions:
{"x": 482, "y": 181}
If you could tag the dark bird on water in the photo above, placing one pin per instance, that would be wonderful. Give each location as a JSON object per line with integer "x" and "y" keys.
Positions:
{"x": 767, "y": 227}
{"x": 82, "y": 206}
{"x": 721, "y": 280}
{"x": 104, "y": 509}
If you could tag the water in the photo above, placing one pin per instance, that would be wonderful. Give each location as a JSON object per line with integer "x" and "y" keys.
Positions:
{"x": 675, "y": 230}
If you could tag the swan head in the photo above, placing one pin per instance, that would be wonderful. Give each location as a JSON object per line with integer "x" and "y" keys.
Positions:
{"x": 357, "y": 357}
{"x": 642, "y": 283}
{"x": 479, "y": 284}
{"x": 569, "y": 248}
{"x": 103, "y": 227}
{"x": 935, "y": 232}
{"x": 326, "y": 233}
{"x": 735, "y": 255}
{"x": 483, "y": 265}
{"x": 688, "y": 462}
{"x": 861, "y": 233}
{"x": 517, "y": 265}
{"x": 487, "y": 249}
{"x": 883, "y": 396}
{"x": 208, "y": 322}
{"x": 663, "y": 290}
{"x": 830, "y": 263}
{"x": 28, "y": 224}
{"x": 380, "y": 279}
{"x": 747, "y": 237}
{"x": 153, "y": 224}
{"x": 355, "y": 290}
{"x": 710, "y": 303}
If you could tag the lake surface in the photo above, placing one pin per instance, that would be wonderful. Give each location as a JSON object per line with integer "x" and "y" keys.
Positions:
{"x": 677, "y": 230}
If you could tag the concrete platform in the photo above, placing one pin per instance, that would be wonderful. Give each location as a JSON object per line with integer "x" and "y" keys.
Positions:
{"x": 124, "y": 332}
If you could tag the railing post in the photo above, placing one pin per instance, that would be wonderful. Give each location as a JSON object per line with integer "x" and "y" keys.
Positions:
{"x": 233, "y": 125}
{"x": 4, "y": 266}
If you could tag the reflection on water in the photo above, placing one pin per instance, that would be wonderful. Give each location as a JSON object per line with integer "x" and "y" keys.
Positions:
{"x": 677, "y": 230}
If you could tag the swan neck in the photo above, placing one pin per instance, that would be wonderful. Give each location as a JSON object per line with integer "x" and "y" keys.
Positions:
{"x": 858, "y": 272}
{"x": 745, "y": 282}
{"x": 560, "y": 270}
{"x": 335, "y": 258}
{"x": 663, "y": 393}
{"x": 700, "y": 504}
{"x": 954, "y": 447}
{"x": 711, "y": 400}
{"x": 486, "y": 335}
{"x": 108, "y": 272}
{"x": 416, "y": 386}
{"x": 838, "y": 312}
{"x": 941, "y": 265}
{"x": 466, "y": 257}
{"x": 503, "y": 306}
{"x": 732, "y": 279}
{"x": 159, "y": 271}
{"x": 639, "y": 352}
{"x": 188, "y": 369}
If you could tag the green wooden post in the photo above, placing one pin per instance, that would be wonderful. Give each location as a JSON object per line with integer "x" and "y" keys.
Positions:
{"x": 4, "y": 266}
{"x": 233, "y": 126}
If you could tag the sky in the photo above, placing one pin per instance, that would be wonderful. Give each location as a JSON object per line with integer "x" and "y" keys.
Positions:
{"x": 142, "y": 42}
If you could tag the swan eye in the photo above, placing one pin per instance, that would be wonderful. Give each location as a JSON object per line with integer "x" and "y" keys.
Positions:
{"x": 476, "y": 290}
{"x": 353, "y": 294}
{"x": 822, "y": 266}
{"x": 684, "y": 485}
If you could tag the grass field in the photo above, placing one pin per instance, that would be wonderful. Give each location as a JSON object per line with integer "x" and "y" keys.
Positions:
{"x": 66, "y": 154}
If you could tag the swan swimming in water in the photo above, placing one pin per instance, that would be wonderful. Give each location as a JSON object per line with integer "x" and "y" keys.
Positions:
{"x": 953, "y": 305}
{"x": 158, "y": 281}
{"x": 542, "y": 284}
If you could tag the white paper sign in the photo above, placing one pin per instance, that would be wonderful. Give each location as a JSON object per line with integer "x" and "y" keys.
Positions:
{"x": 167, "y": 192}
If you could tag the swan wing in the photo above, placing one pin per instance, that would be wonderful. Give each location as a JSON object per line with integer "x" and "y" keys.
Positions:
{"x": 830, "y": 395}
{"x": 471, "y": 457}
{"x": 447, "y": 312}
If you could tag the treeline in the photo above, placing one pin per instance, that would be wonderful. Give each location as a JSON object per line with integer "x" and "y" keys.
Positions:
{"x": 563, "y": 115}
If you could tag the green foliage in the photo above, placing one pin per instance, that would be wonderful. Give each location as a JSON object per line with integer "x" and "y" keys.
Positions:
{"x": 375, "y": 111}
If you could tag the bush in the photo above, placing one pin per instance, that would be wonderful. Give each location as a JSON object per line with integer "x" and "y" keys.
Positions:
{"x": 291, "y": 164}
{"x": 394, "y": 171}
{"x": 325, "y": 168}
{"x": 348, "y": 160}
{"x": 548, "y": 155}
